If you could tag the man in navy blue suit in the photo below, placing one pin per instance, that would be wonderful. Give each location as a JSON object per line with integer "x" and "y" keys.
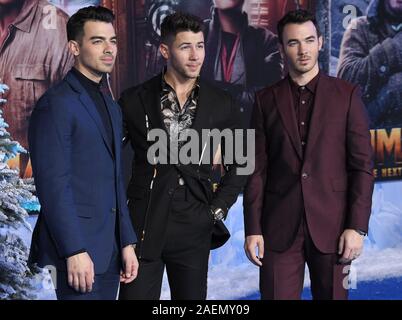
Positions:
{"x": 75, "y": 137}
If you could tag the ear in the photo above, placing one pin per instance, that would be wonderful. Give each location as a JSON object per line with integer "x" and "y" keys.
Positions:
{"x": 320, "y": 42}
{"x": 164, "y": 50}
{"x": 74, "y": 48}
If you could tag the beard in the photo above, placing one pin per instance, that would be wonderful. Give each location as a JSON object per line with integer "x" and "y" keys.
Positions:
{"x": 393, "y": 14}
{"x": 181, "y": 70}
{"x": 301, "y": 69}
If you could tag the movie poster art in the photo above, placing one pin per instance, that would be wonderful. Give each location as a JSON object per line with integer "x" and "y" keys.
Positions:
{"x": 33, "y": 57}
{"x": 367, "y": 50}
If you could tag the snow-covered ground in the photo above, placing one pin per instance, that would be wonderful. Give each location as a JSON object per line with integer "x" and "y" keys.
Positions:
{"x": 231, "y": 276}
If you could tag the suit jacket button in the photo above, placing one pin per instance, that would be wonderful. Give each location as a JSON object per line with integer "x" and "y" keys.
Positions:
{"x": 171, "y": 191}
{"x": 304, "y": 175}
{"x": 114, "y": 210}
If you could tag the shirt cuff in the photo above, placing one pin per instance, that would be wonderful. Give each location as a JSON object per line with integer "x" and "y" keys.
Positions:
{"x": 76, "y": 252}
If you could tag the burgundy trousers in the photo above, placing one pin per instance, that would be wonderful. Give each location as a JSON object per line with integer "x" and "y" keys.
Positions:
{"x": 282, "y": 273}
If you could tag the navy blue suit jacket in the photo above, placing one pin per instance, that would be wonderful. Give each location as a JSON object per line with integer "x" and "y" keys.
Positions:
{"x": 78, "y": 178}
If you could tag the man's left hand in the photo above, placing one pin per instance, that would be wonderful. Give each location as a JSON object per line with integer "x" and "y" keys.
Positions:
{"x": 350, "y": 245}
{"x": 130, "y": 264}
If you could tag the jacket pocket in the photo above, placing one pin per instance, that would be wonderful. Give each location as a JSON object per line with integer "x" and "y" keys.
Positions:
{"x": 31, "y": 71}
{"x": 33, "y": 80}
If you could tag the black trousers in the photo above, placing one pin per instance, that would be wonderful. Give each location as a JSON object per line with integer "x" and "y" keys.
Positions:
{"x": 185, "y": 254}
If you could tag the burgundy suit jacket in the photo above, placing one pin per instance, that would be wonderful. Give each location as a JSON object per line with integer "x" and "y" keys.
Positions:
{"x": 332, "y": 182}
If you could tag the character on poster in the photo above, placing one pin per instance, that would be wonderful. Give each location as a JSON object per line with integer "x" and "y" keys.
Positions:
{"x": 371, "y": 56}
{"x": 240, "y": 58}
{"x": 33, "y": 56}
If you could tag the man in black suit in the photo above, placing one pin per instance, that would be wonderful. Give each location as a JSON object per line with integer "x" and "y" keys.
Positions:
{"x": 173, "y": 206}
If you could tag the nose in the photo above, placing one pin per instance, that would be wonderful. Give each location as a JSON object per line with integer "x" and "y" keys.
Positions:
{"x": 109, "y": 48}
{"x": 194, "y": 54}
{"x": 302, "y": 49}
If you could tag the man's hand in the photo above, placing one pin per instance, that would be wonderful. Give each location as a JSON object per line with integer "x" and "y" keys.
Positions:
{"x": 80, "y": 271}
{"x": 350, "y": 245}
{"x": 250, "y": 245}
{"x": 3, "y": 89}
{"x": 130, "y": 264}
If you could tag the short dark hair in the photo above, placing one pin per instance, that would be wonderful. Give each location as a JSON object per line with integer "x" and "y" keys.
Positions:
{"x": 178, "y": 22}
{"x": 75, "y": 25}
{"x": 296, "y": 16}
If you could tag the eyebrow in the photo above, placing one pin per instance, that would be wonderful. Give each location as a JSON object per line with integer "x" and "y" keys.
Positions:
{"x": 296, "y": 40}
{"x": 102, "y": 38}
{"x": 310, "y": 37}
{"x": 189, "y": 43}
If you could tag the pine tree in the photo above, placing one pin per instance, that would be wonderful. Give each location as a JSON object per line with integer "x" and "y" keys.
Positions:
{"x": 323, "y": 13}
{"x": 17, "y": 281}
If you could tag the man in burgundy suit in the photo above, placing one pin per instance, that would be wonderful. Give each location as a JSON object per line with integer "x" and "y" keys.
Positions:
{"x": 309, "y": 198}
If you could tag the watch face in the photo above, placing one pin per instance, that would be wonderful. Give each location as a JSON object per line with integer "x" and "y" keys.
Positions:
{"x": 219, "y": 214}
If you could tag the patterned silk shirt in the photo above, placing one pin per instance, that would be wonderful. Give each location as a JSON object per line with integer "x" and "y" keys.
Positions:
{"x": 177, "y": 119}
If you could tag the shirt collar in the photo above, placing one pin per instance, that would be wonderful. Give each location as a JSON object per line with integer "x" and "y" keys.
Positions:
{"x": 86, "y": 82}
{"x": 24, "y": 20}
{"x": 167, "y": 88}
{"x": 311, "y": 86}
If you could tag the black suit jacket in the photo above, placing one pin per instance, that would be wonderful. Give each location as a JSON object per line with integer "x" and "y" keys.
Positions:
{"x": 149, "y": 208}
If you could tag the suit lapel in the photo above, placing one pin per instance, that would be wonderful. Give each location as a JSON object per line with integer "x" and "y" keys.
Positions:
{"x": 91, "y": 108}
{"x": 203, "y": 115}
{"x": 116, "y": 125}
{"x": 150, "y": 98}
{"x": 286, "y": 109}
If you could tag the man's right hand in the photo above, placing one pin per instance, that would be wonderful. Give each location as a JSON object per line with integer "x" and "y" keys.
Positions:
{"x": 80, "y": 272}
{"x": 250, "y": 245}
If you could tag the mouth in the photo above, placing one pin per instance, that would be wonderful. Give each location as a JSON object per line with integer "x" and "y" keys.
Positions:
{"x": 107, "y": 60}
{"x": 193, "y": 66}
{"x": 304, "y": 60}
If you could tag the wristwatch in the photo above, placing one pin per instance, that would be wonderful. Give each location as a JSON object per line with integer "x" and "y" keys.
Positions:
{"x": 218, "y": 214}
